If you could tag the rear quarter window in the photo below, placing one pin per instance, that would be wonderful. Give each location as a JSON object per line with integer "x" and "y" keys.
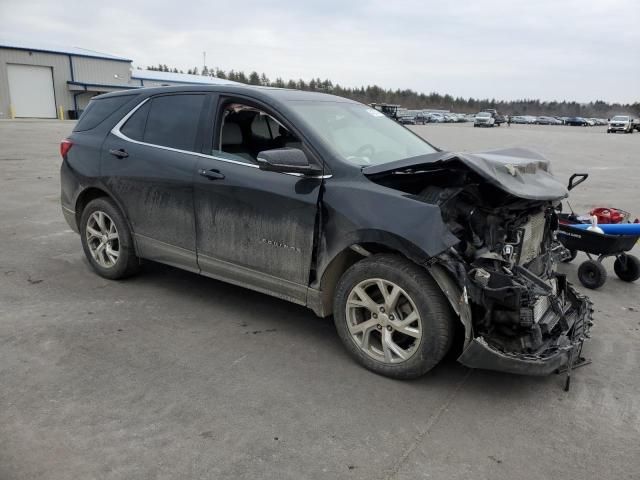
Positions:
{"x": 98, "y": 110}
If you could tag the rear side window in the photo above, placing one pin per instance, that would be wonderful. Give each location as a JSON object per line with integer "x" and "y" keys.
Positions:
{"x": 98, "y": 110}
{"x": 173, "y": 120}
{"x": 134, "y": 127}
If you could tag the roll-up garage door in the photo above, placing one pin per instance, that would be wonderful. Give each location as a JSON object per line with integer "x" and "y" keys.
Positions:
{"x": 31, "y": 91}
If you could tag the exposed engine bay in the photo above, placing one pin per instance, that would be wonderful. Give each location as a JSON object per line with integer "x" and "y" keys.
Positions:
{"x": 525, "y": 317}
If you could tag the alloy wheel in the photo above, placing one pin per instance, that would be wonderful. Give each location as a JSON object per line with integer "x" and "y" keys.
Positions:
{"x": 383, "y": 320}
{"x": 102, "y": 239}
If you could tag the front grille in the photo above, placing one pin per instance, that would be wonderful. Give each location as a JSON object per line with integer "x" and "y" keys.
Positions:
{"x": 533, "y": 234}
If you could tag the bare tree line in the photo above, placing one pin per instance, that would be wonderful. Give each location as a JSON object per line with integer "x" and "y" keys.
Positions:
{"x": 415, "y": 100}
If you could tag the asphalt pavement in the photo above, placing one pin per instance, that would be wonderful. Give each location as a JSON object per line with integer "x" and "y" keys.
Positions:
{"x": 170, "y": 375}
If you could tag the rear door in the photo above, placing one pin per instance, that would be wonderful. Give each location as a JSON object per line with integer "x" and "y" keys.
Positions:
{"x": 254, "y": 228}
{"x": 148, "y": 162}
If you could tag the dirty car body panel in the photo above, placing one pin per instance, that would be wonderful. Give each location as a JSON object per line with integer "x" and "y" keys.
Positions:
{"x": 483, "y": 225}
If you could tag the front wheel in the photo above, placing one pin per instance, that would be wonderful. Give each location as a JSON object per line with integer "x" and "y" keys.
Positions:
{"x": 592, "y": 274}
{"x": 392, "y": 317}
{"x": 107, "y": 240}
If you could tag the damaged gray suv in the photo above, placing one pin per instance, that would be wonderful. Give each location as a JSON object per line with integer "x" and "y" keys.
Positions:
{"x": 327, "y": 203}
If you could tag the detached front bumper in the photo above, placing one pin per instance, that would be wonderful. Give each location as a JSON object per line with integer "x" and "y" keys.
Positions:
{"x": 480, "y": 354}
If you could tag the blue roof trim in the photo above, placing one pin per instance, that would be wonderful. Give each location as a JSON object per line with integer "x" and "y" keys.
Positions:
{"x": 60, "y": 52}
{"x": 83, "y": 84}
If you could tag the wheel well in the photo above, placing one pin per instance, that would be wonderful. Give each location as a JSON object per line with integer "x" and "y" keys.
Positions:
{"x": 340, "y": 263}
{"x": 84, "y": 198}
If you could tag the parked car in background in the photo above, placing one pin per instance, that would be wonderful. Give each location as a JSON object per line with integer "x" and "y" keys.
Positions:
{"x": 497, "y": 117}
{"x": 421, "y": 118}
{"x": 576, "y": 122}
{"x": 620, "y": 123}
{"x": 543, "y": 120}
{"x": 388, "y": 109}
{"x": 327, "y": 203}
{"x": 484, "y": 119}
{"x": 518, "y": 119}
{"x": 436, "y": 117}
{"x": 636, "y": 124}
{"x": 590, "y": 122}
{"x": 407, "y": 120}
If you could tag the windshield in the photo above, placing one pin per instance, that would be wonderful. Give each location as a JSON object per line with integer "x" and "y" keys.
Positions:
{"x": 359, "y": 134}
{"x": 620, "y": 118}
{"x": 483, "y": 114}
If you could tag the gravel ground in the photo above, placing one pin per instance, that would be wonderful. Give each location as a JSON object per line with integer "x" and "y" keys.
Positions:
{"x": 170, "y": 375}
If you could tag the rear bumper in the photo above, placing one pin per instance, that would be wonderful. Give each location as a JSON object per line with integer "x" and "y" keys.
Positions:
{"x": 480, "y": 354}
{"x": 70, "y": 217}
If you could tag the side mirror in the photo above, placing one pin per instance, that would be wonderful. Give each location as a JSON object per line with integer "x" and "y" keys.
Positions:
{"x": 286, "y": 160}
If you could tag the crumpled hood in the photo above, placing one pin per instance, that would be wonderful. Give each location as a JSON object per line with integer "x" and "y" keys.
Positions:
{"x": 517, "y": 171}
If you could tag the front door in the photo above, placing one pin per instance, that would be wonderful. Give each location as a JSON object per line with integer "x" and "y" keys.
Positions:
{"x": 149, "y": 162}
{"x": 254, "y": 228}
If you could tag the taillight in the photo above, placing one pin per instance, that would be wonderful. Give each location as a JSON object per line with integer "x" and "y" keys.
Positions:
{"x": 65, "y": 146}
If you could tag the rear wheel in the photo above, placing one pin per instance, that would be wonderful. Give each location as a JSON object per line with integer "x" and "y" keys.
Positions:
{"x": 627, "y": 268}
{"x": 392, "y": 317}
{"x": 592, "y": 274}
{"x": 107, "y": 240}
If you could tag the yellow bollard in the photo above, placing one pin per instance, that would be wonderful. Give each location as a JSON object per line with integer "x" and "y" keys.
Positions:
{"x": 12, "y": 112}
{"x": 60, "y": 112}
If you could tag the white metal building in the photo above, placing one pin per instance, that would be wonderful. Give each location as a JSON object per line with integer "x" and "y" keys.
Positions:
{"x": 38, "y": 81}
{"x": 151, "y": 78}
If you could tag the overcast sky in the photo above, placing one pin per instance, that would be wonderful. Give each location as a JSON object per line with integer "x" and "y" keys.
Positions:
{"x": 549, "y": 49}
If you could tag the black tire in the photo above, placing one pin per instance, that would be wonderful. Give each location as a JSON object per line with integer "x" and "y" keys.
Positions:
{"x": 592, "y": 274}
{"x": 573, "y": 254}
{"x": 127, "y": 262}
{"x": 628, "y": 268}
{"x": 436, "y": 316}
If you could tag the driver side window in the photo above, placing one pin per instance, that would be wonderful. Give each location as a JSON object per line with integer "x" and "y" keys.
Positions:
{"x": 246, "y": 131}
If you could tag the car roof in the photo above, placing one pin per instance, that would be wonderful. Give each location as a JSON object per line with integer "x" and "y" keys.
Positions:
{"x": 259, "y": 93}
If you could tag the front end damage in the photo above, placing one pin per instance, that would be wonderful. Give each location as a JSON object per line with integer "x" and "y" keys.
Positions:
{"x": 520, "y": 315}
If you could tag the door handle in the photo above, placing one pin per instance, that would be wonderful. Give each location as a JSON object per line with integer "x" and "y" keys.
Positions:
{"x": 211, "y": 174}
{"x": 121, "y": 153}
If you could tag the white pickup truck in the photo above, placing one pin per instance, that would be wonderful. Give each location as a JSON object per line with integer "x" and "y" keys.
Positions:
{"x": 620, "y": 123}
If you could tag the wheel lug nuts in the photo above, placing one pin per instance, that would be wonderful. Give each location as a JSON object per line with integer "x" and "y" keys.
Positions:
{"x": 382, "y": 309}
{"x": 389, "y": 327}
{"x": 375, "y": 315}
{"x": 379, "y": 327}
{"x": 391, "y": 317}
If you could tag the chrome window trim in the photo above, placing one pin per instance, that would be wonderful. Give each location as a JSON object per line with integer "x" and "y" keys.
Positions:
{"x": 116, "y": 131}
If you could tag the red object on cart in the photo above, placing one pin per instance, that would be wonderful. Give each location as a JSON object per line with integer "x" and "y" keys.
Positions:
{"x": 610, "y": 215}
